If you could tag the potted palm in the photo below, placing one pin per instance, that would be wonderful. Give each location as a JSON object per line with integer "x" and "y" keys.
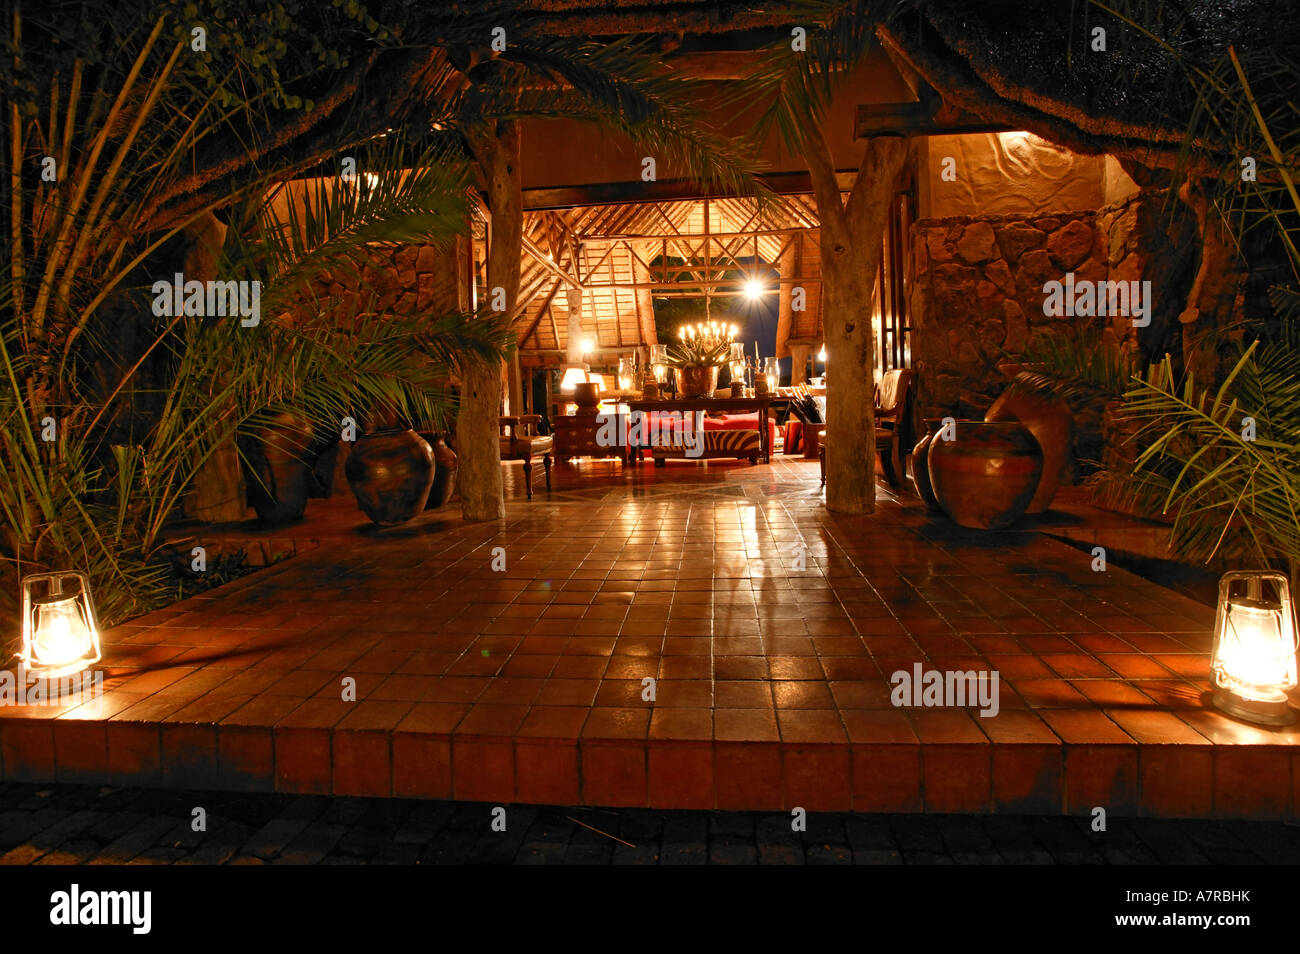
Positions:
{"x": 700, "y": 353}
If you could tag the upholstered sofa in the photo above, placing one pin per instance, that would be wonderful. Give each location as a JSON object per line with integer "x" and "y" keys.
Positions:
{"x": 727, "y": 435}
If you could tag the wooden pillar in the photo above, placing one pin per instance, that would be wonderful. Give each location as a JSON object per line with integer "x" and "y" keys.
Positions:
{"x": 799, "y": 354}
{"x": 785, "y": 314}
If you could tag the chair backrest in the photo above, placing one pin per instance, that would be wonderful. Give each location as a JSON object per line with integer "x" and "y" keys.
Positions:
{"x": 520, "y": 425}
{"x": 893, "y": 389}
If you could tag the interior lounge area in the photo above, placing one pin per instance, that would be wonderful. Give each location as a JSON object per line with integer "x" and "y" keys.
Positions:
{"x": 671, "y": 405}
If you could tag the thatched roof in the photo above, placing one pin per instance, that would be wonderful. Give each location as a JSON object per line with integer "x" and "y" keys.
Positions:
{"x": 1032, "y": 65}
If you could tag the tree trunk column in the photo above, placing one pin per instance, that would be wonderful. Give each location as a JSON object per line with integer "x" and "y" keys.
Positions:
{"x": 851, "y": 249}
{"x": 1216, "y": 300}
{"x": 496, "y": 147}
{"x": 218, "y": 494}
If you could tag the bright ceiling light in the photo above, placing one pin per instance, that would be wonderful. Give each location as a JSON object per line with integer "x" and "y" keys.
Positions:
{"x": 753, "y": 289}
{"x": 587, "y": 346}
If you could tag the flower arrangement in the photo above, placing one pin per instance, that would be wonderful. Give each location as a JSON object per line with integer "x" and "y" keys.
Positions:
{"x": 706, "y": 345}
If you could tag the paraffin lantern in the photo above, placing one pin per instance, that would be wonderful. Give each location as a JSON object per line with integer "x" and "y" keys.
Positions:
{"x": 1254, "y": 661}
{"x": 626, "y": 375}
{"x": 772, "y": 371}
{"x": 60, "y": 632}
{"x": 659, "y": 362}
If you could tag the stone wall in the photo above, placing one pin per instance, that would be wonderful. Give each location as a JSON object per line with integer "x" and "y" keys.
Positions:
{"x": 977, "y": 290}
{"x": 407, "y": 279}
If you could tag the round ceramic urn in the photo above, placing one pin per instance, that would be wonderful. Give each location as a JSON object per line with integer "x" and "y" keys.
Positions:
{"x": 281, "y": 475}
{"x": 986, "y": 476}
{"x": 921, "y": 465}
{"x": 446, "y": 463}
{"x": 1050, "y": 421}
{"x": 391, "y": 473}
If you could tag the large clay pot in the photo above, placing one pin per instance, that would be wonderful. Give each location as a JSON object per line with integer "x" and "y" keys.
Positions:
{"x": 391, "y": 473}
{"x": 921, "y": 464}
{"x": 985, "y": 478}
{"x": 281, "y": 469}
{"x": 445, "y": 465}
{"x": 695, "y": 381}
{"x": 1050, "y": 421}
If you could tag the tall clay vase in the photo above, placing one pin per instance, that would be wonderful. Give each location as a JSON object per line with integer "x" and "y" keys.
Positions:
{"x": 1050, "y": 421}
{"x": 696, "y": 381}
{"x": 281, "y": 477}
{"x": 445, "y": 465}
{"x": 985, "y": 478}
{"x": 391, "y": 473}
{"x": 921, "y": 465}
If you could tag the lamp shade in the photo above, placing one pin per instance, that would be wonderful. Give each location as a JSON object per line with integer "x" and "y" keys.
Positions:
{"x": 573, "y": 375}
{"x": 1254, "y": 661}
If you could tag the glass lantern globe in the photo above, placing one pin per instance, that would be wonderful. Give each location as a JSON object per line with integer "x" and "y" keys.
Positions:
{"x": 60, "y": 633}
{"x": 1254, "y": 660}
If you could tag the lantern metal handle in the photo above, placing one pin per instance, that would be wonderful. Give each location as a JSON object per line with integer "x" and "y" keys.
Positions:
{"x": 1254, "y": 590}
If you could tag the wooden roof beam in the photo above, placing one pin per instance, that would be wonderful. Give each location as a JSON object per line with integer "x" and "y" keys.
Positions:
{"x": 549, "y": 265}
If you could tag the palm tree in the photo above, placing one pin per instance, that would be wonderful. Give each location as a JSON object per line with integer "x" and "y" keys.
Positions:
{"x": 109, "y": 413}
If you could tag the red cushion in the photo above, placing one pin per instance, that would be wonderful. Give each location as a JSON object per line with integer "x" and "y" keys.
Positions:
{"x": 741, "y": 422}
{"x": 726, "y": 422}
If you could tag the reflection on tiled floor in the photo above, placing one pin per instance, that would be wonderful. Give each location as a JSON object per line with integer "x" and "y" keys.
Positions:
{"x": 769, "y": 626}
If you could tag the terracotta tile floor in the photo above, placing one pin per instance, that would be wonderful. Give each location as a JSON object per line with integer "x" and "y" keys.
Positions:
{"x": 769, "y": 626}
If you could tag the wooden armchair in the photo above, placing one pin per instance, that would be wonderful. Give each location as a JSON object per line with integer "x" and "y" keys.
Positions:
{"x": 894, "y": 397}
{"x": 520, "y": 441}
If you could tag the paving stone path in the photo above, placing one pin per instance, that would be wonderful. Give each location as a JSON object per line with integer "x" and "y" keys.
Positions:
{"x": 68, "y": 824}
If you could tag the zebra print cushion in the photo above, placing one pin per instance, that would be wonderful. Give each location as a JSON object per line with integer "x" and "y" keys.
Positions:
{"x": 720, "y": 443}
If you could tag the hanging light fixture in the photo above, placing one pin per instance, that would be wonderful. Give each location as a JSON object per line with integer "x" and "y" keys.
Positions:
{"x": 1254, "y": 661}
{"x": 60, "y": 632}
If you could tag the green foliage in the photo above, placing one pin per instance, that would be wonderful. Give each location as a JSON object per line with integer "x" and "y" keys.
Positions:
{"x": 222, "y": 569}
{"x": 1232, "y": 489}
{"x": 1079, "y": 364}
{"x": 1229, "y": 491}
{"x": 621, "y": 85}
{"x": 140, "y": 403}
{"x": 796, "y": 86}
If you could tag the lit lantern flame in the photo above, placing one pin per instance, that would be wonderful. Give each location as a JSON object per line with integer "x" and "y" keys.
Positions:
{"x": 1254, "y": 661}
{"x": 659, "y": 360}
{"x": 772, "y": 371}
{"x": 60, "y": 635}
